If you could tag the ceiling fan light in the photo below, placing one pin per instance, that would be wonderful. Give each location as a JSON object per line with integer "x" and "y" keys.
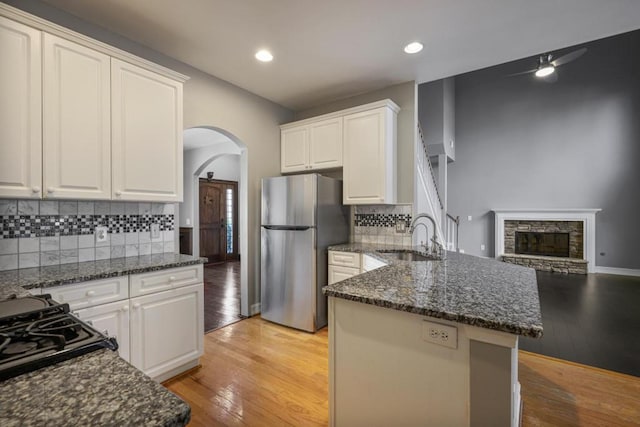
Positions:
{"x": 545, "y": 70}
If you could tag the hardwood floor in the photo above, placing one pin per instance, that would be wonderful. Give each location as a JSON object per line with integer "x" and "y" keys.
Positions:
{"x": 255, "y": 373}
{"x": 221, "y": 295}
{"x": 590, "y": 319}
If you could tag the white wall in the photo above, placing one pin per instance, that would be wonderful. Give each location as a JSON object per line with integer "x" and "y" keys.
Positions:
{"x": 208, "y": 101}
{"x": 226, "y": 168}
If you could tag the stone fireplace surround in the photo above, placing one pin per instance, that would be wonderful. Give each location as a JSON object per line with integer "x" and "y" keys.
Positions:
{"x": 579, "y": 223}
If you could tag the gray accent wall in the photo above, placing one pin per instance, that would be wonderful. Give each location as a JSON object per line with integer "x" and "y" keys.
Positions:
{"x": 523, "y": 143}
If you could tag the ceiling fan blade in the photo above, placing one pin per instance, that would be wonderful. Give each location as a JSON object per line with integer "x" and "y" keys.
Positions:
{"x": 569, "y": 57}
{"x": 523, "y": 72}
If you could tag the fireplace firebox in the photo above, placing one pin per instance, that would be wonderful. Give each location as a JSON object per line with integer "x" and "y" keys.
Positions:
{"x": 542, "y": 243}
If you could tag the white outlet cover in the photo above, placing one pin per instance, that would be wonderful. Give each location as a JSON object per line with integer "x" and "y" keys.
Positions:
{"x": 101, "y": 234}
{"x": 437, "y": 333}
{"x": 469, "y": 218}
{"x": 155, "y": 231}
{"x": 482, "y": 247}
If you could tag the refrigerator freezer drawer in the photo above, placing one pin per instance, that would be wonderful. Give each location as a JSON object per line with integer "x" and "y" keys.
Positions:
{"x": 288, "y": 278}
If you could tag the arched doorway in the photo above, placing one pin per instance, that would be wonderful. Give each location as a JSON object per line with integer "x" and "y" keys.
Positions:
{"x": 205, "y": 146}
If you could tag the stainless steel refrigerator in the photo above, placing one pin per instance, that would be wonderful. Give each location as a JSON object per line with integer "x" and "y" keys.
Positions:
{"x": 301, "y": 216}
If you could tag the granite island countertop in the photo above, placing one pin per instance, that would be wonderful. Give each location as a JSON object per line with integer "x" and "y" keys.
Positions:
{"x": 64, "y": 274}
{"x": 96, "y": 389}
{"x": 461, "y": 288}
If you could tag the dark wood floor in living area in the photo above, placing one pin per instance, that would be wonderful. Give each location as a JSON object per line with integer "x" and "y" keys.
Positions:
{"x": 591, "y": 319}
{"x": 256, "y": 373}
{"x": 221, "y": 294}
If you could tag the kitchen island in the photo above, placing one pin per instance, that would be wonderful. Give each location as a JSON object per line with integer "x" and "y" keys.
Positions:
{"x": 100, "y": 387}
{"x": 428, "y": 342}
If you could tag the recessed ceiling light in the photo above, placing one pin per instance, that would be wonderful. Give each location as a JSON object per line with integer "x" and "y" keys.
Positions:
{"x": 413, "y": 47}
{"x": 264, "y": 55}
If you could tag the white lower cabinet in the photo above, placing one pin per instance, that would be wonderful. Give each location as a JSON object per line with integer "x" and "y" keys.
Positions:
{"x": 156, "y": 317}
{"x": 167, "y": 330}
{"x": 338, "y": 273}
{"x": 111, "y": 319}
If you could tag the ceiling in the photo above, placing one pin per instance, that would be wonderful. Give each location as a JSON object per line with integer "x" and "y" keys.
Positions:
{"x": 331, "y": 49}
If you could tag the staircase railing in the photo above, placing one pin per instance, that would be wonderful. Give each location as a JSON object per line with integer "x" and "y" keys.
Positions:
{"x": 451, "y": 232}
{"x": 451, "y": 224}
{"x": 428, "y": 177}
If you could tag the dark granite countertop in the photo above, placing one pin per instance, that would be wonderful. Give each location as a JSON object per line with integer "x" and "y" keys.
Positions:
{"x": 461, "y": 288}
{"x": 56, "y": 275}
{"x": 97, "y": 389}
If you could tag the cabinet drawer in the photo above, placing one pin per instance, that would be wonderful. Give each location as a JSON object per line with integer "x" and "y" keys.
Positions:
{"x": 88, "y": 294}
{"x": 346, "y": 259}
{"x": 337, "y": 273}
{"x": 163, "y": 280}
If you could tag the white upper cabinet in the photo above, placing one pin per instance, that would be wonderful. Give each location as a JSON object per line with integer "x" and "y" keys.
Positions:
{"x": 80, "y": 119}
{"x": 76, "y": 121}
{"x": 325, "y": 144}
{"x": 20, "y": 110}
{"x": 294, "y": 149}
{"x": 311, "y": 146}
{"x": 146, "y": 119}
{"x": 369, "y": 174}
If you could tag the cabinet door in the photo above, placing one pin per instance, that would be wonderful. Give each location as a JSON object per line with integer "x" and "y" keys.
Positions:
{"x": 146, "y": 134}
{"x": 20, "y": 111}
{"x": 112, "y": 319}
{"x": 294, "y": 149}
{"x": 337, "y": 274}
{"x": 167, "y": 329}
{"x": 76, "y": 121}
{"x": 369, "y": 172}
{"x": 325, "y": 144}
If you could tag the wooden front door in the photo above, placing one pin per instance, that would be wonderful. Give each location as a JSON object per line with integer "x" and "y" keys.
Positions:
{"x": 212, "y": 225}
{"x": 218, "y": 215}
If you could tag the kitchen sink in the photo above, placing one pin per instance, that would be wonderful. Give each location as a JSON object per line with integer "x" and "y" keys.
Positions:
{"x": 408, "y": 256}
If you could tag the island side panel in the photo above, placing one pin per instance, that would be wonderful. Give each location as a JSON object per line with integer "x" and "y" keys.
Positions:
{"x": 381, "y": 371}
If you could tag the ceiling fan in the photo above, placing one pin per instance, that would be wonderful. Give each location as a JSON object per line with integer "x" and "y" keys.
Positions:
{"x": 547, "y": 65}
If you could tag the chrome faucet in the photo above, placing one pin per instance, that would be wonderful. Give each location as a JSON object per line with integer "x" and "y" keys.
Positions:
{"x": 436, "y": 247}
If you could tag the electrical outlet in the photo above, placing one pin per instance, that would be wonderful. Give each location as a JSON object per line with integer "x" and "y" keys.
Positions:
{"x": 437, "y": 333}
{"x": 155, "y": 231}
{"x": 400, "y": 226}
{"x": 469, "y": 218}
{"x": 482, "y": 247}
{"x": 101, "y": 234}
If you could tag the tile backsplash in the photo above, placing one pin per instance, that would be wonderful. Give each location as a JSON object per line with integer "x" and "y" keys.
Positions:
{"x": 377, "y": 224}
{"x": 37, "y": 233}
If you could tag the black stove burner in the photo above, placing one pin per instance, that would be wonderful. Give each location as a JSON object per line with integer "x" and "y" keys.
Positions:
{"x": 43, "y": 334}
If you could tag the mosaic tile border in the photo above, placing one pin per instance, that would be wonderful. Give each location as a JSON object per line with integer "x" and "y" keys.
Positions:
{"x": 380, "y": 219}
{"x": 24, "y": 226}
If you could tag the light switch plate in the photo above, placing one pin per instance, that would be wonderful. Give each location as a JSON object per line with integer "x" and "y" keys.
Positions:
{"x": 101, "y": 234}
{"x": 155, "y": 231}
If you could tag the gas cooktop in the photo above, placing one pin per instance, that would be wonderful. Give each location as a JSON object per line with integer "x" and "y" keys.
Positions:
{"x": 36, "y": 331}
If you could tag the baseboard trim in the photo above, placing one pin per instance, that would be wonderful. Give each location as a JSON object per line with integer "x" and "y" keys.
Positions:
{"x": 619, "y": 271}
{"x": 255, "y": 309}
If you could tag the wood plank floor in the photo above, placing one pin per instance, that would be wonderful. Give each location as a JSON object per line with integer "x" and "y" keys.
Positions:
{"x": 221, "y": 295}
{"x": 255, "y": 373}
{"x": 604, "y": 305}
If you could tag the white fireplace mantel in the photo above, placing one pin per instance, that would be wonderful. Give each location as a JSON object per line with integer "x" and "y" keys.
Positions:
{"x": 587, "y": 216}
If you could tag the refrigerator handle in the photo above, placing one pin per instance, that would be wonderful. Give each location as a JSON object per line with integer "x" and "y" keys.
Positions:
{"x": 285, "y": 227}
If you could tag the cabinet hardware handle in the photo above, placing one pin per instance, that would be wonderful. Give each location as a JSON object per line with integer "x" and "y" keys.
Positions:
{"x": 172, "y": 278}
{"x": 136, "y": 305}
{"x": 118, "y": 193}
{"x": 125, "y": 308}
{"x": 50, "y": 190}
{"x": 35, "y": 189}
{"x": 91, "y": 293}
